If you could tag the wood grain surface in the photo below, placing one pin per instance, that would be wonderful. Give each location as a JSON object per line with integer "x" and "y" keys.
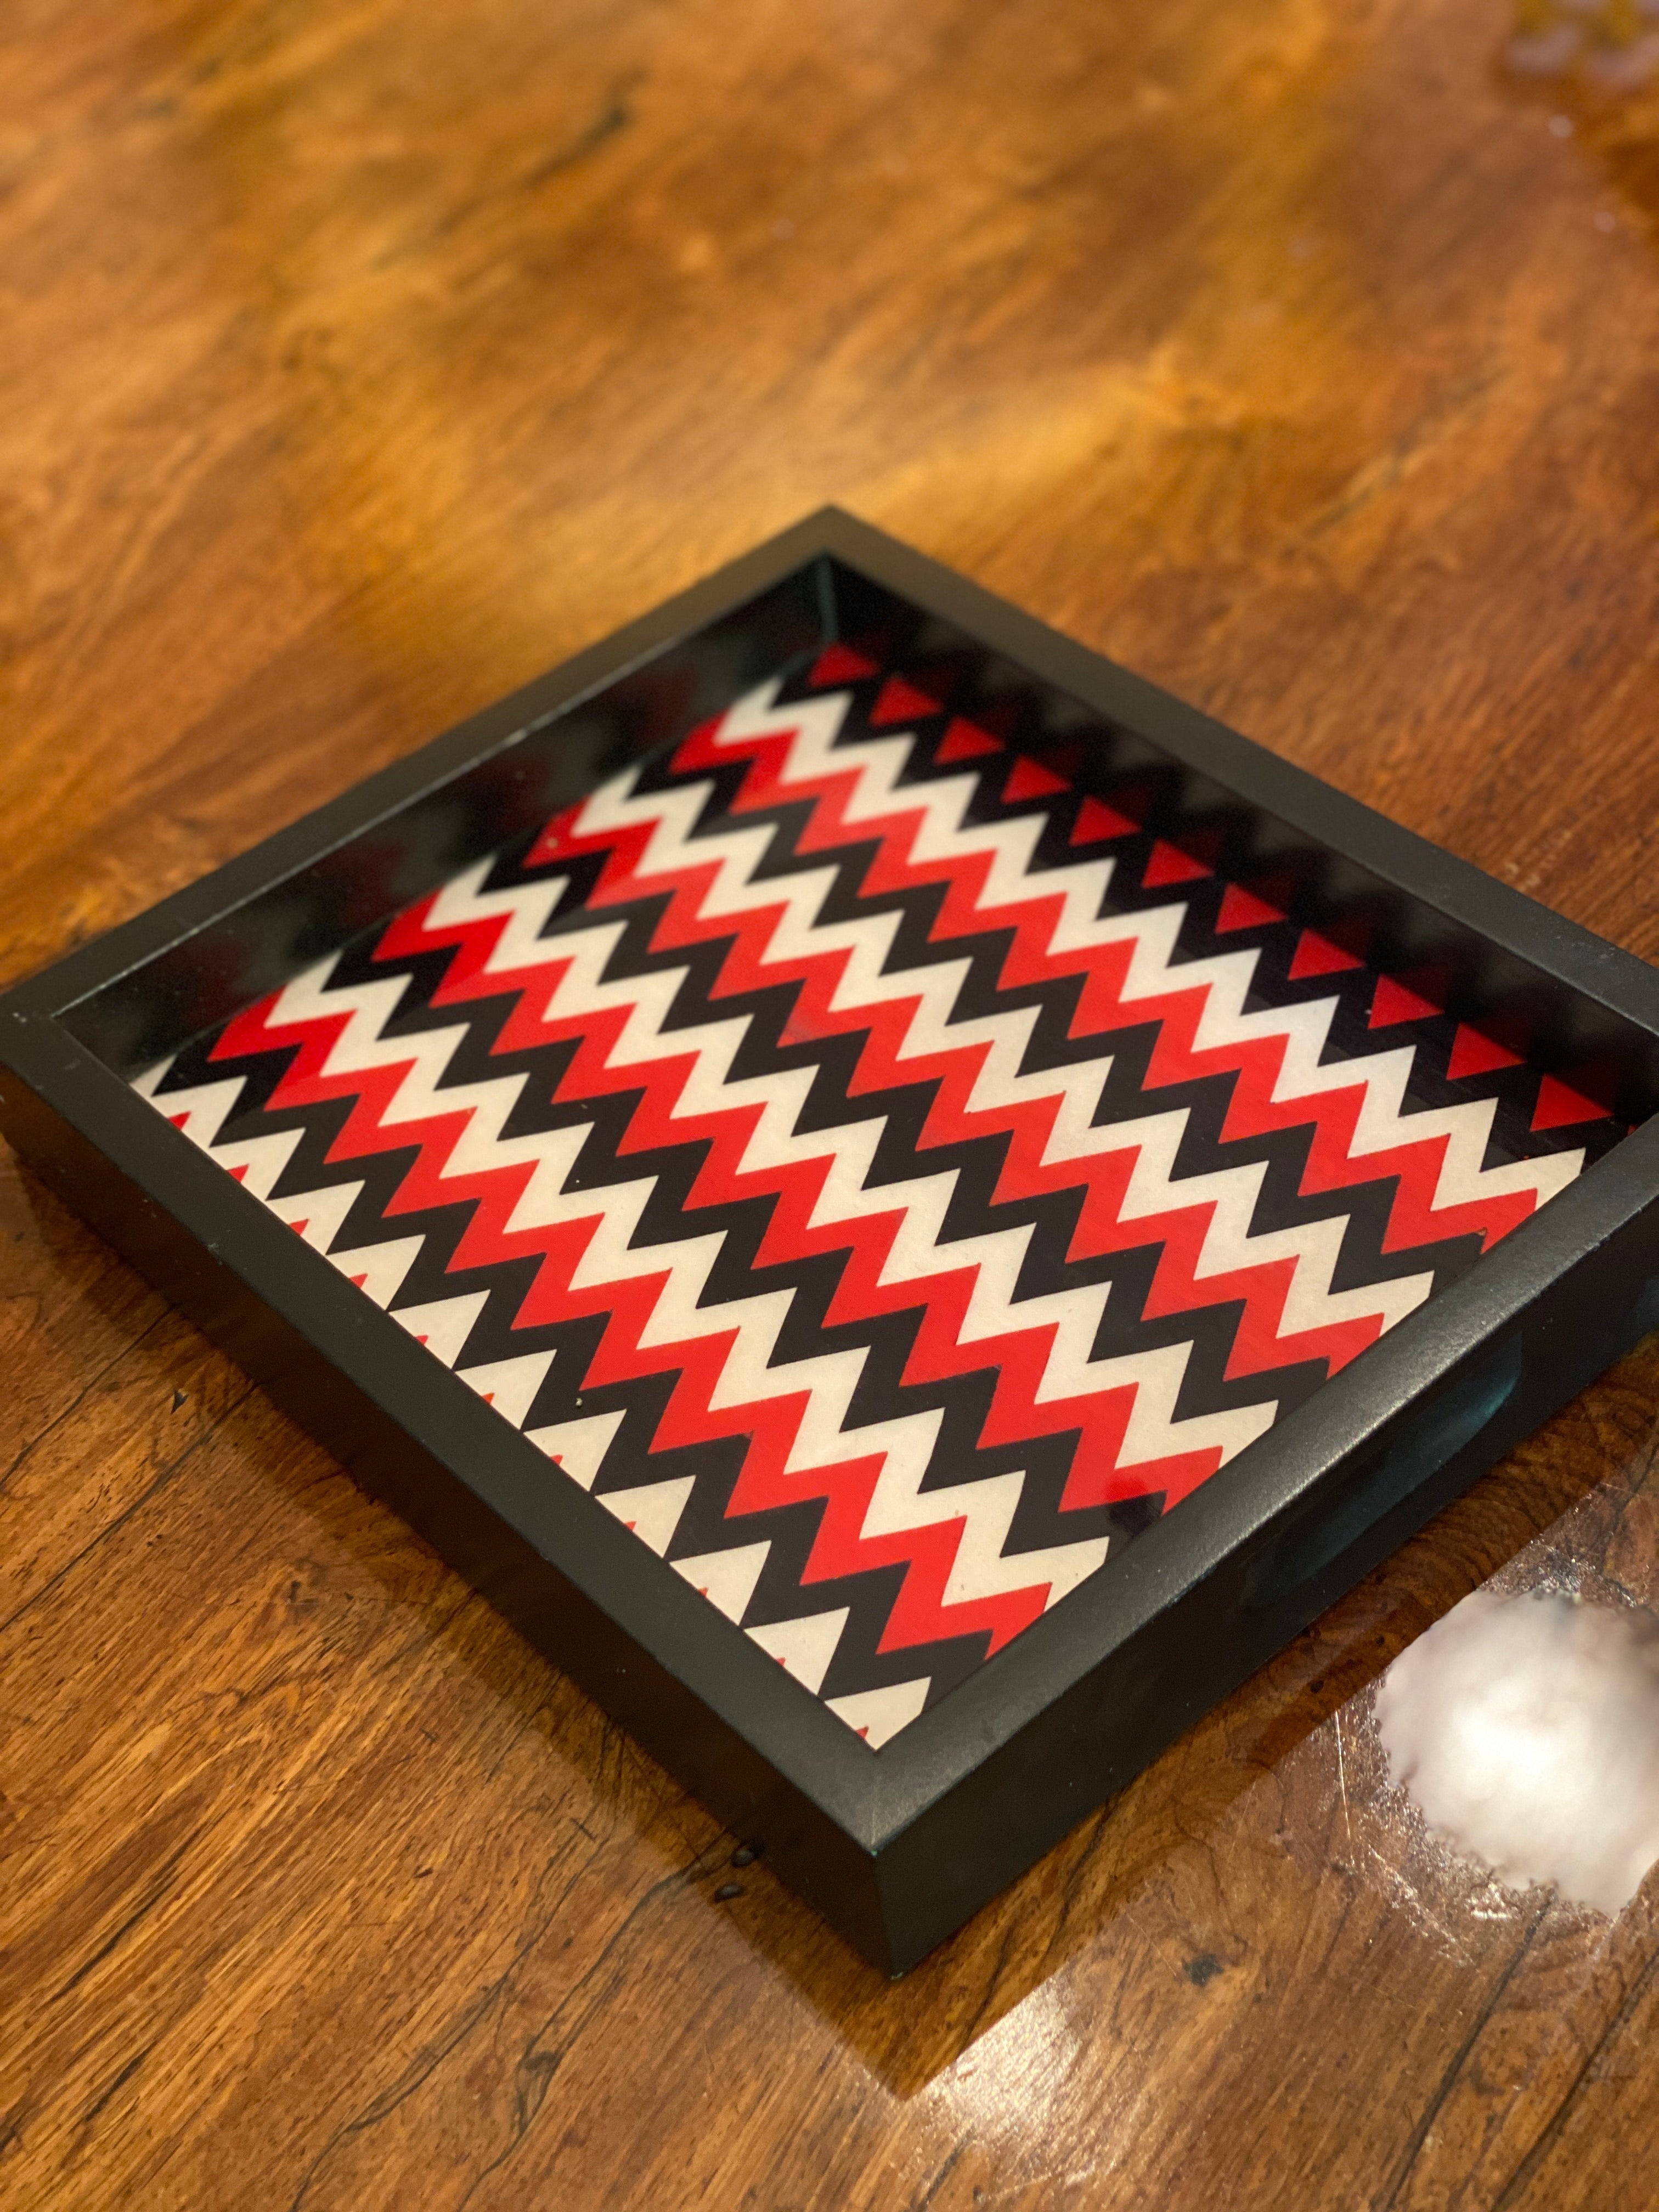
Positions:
{"x": 356, "y": 362}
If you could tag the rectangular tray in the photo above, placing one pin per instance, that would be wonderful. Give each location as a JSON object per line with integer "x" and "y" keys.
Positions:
{"x": 907, "y": 1206}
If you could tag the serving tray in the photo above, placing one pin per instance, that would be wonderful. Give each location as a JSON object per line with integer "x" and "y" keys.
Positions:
{"x": 907, "y": 1206}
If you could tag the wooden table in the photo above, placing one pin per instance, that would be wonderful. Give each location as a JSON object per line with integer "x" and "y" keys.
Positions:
{"x": 356, "y": 362}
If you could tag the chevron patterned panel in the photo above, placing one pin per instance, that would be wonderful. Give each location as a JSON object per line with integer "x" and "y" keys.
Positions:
{"x": 883, "y": 1174}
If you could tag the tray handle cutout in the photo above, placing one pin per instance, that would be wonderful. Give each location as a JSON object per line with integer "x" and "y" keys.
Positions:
{"x": 1321, "y": 1534}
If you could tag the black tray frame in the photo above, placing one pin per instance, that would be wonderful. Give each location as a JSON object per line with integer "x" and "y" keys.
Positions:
{"x": 894, "y": 1847}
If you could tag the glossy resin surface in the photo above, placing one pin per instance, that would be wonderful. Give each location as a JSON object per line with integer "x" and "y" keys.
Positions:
{"x": 890, "y": 1147}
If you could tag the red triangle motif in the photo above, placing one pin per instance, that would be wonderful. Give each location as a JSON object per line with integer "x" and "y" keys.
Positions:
{"x": 1474, "y": 1055}
{"x": 236, "y": 1174}
{"x": 1096, "y": 821}
{"x": 1242, "y": 910}
{"x": 839, "y": 664}
{"x": 1560, "y": 1105}
{"x": 300, "y": 1227}
{"x": 1170, "y": 865}
{"x": 899, "y": 701}
{"x": 1029, "y": 778}
{"x": 1397, "y": 1002}
{"x": 1316, "y": 956}
{"x": 964, "y": 740}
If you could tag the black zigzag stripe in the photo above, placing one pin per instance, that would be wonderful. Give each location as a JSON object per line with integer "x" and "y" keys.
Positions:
{"x": 887, "y": 1341}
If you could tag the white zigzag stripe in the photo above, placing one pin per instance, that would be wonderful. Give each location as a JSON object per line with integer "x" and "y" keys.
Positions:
{"x": 936, "y": 833}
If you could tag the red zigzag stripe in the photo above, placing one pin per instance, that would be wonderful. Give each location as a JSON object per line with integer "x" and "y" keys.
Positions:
{"x": 798, "y": 1187}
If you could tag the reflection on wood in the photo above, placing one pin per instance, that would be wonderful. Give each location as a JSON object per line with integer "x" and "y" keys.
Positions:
{"x": 1594, "y": 65}
{"x": 1612, "y": 46}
